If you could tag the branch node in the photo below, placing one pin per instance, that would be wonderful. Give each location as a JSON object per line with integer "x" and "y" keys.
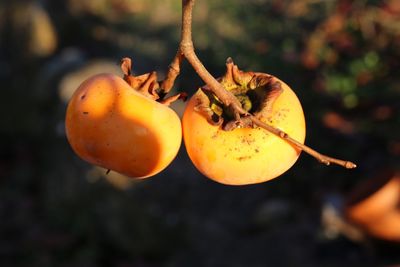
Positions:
{"x": 186, "y": 46}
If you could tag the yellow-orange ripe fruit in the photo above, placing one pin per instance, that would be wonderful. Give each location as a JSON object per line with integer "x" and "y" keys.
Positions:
{"x": 244, "y": 155}
{"x": 111, "y": 125}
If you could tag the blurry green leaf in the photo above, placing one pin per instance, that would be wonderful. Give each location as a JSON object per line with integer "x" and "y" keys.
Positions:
{"x": 356, "y": 66}
{"x": 371, "y": 59}
{"x": 341, "y": 84}
{"x": 350, "y": 101}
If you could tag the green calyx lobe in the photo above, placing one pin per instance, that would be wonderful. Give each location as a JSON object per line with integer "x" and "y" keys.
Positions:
{"x": 255, "y": 91}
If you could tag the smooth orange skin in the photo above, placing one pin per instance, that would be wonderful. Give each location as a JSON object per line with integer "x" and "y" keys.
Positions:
{"x": 386, "y": 228}
{"x": 111, "y": 125}
{"x": 378, "y": 213}
{"x": 246, "y": 155}
{"x": 377, "y": 204}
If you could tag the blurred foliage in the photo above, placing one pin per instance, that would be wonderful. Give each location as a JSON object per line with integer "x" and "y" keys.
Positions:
{"x": 340, "y": 56}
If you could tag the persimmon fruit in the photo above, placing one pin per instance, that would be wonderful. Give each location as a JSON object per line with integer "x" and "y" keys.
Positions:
{"x": 246, "y": 154}
{"x": 374, "y": 206}
{"x": 111, "y": 124}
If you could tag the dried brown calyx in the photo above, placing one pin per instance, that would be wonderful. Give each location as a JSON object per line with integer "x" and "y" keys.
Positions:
{"x": 255, "y": 91}
{"x": 147, "y": 84}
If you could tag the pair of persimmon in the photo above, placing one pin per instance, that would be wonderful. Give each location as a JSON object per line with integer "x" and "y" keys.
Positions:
{"x": 126, "y": 125}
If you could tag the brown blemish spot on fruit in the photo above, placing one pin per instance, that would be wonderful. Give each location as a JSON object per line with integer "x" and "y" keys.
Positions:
{"x": 83, "y": 96}
{"x": 241, "y": 158}
{"x": 85, "y": 113}
{"x": 283, "y": 112}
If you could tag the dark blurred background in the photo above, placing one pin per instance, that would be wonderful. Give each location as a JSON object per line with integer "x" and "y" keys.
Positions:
{"x": 340, "y": 57}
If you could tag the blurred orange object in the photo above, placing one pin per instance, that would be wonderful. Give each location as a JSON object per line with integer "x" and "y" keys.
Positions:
{"x": 375, "y": 206}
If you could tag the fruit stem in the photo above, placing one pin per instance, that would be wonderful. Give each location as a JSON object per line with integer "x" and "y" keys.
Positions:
{"x": 173, "y": 72}
{"x": 186, "y": 50}
{"x": 320, "y": 157}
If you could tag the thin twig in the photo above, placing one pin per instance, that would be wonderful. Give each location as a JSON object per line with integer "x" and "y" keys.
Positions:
{"x": 173, "y": 72}
{"x": 186, "y": 49}
{"x": 320, "y": 157}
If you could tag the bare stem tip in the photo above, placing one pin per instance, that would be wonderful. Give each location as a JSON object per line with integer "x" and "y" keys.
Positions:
{"x": 350, "y": 165}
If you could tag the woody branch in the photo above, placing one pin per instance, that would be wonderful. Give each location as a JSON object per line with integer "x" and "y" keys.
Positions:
{"x": 186, "y": 50}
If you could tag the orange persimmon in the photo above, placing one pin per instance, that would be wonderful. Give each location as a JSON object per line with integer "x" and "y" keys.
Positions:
{"x": 245, "y": 155}
{"x": 386, "y": 228}
{"x": 374, "y": 206}
{"x": 111, "y": 125}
